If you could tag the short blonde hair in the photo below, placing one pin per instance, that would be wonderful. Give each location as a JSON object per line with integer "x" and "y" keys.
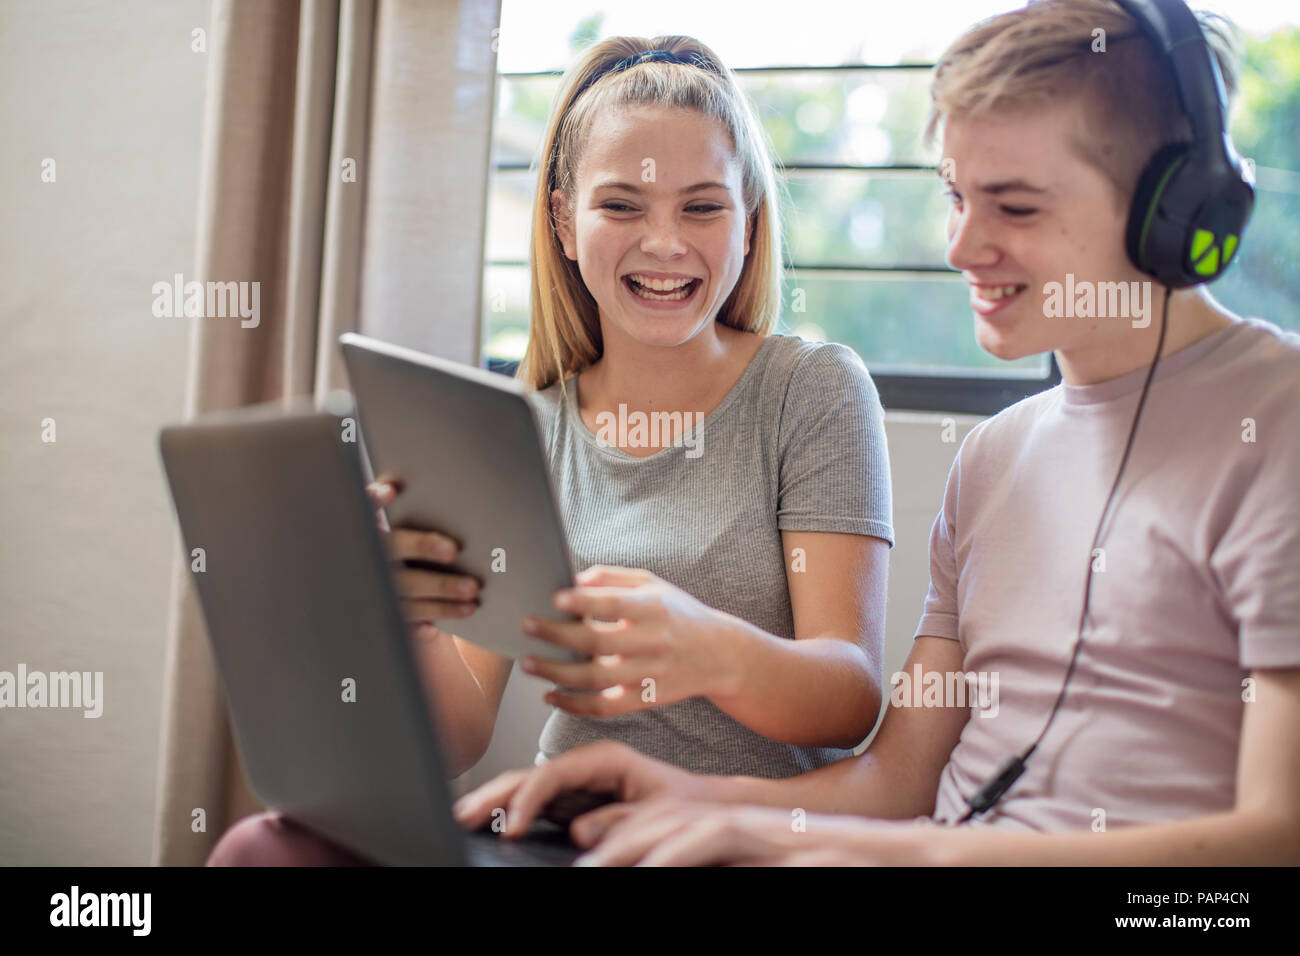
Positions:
{"x": 1043, "y": 53}
{"x": 564, "y": 328}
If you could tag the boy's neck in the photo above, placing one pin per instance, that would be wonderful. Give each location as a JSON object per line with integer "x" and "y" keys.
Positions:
{"x": 1193, "y": 315}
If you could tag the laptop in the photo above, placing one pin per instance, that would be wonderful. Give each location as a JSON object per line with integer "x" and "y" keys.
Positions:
{"x": 329, "y": 714}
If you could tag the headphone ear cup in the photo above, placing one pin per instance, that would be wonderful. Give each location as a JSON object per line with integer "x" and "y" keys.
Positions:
{"x": 1148, "y": 250}
{"x": 1216, "y": 234}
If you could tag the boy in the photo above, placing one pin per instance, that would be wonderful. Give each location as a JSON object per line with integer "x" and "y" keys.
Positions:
{"x": 1177, "y": 740}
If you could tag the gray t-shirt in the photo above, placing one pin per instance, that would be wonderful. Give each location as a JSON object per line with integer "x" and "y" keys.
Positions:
{"x": 798, "y": 444}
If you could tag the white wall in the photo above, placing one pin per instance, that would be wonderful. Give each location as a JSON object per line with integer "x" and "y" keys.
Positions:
{"x": 113, "y": 93}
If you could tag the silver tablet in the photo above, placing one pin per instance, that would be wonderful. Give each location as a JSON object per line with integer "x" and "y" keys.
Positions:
{"x": 466, "y": 446}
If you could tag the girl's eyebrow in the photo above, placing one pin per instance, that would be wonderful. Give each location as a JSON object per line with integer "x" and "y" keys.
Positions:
{"x": 633, "y": 188}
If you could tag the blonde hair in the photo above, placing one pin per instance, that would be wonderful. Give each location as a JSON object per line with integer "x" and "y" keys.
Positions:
{"x": 1043, "y": 53}
{"x": 564, "y": 329}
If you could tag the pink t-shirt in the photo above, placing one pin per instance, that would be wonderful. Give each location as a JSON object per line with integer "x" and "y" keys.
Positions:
{"x": 1201, "y": 583}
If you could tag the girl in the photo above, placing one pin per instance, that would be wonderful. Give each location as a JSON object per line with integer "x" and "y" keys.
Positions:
{"x": 726, "y": 489}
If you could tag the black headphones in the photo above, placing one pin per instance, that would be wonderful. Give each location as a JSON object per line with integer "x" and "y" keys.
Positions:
{"x": 1192, "y": 200}
{"x": 1189, "y": 209}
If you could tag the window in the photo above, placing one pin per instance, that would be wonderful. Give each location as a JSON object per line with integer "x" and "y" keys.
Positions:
{"x": 843, "y": 94}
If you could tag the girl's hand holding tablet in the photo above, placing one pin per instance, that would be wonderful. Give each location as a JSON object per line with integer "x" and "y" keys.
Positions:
{"x": 650, "y": 644}
{"x": 427, "y": 594}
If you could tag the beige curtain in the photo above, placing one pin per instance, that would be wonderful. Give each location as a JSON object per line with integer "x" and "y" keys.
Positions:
{"x": 345, "y": 167}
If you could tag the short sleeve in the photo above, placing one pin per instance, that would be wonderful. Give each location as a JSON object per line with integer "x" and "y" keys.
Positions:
{"x": 1257, "y": 559}
{"x": 834, "y": 462}
{"x": 939, "y": 615}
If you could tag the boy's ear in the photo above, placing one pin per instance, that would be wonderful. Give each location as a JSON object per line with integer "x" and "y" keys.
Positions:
{"x": 563, "y": 224}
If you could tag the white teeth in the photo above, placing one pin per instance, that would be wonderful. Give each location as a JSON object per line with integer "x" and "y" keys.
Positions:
{"x": 660, "y": 285}
{"x": 659, "y": 297}
{"x": 664, "y": 290}
{"x": 997, "y": 292}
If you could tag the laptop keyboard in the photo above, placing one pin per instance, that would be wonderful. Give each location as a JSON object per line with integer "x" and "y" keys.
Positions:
{"x": 544, "y": 846}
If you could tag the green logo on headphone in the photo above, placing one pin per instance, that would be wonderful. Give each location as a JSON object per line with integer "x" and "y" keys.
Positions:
{"x": 1205, "y": 255}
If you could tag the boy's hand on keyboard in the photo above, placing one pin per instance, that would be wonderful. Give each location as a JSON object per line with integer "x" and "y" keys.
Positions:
{"x": 589, "y": 787}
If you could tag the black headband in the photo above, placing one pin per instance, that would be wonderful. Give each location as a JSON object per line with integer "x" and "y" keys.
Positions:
{"x": 650, "y": 56}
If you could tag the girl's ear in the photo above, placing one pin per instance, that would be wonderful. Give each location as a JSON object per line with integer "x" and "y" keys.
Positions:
{"x": 749, "y": 230}
{"x": 563, "y": 224}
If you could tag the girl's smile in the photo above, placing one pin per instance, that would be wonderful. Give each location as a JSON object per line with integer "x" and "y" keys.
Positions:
{"x": 661, "y": 293}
